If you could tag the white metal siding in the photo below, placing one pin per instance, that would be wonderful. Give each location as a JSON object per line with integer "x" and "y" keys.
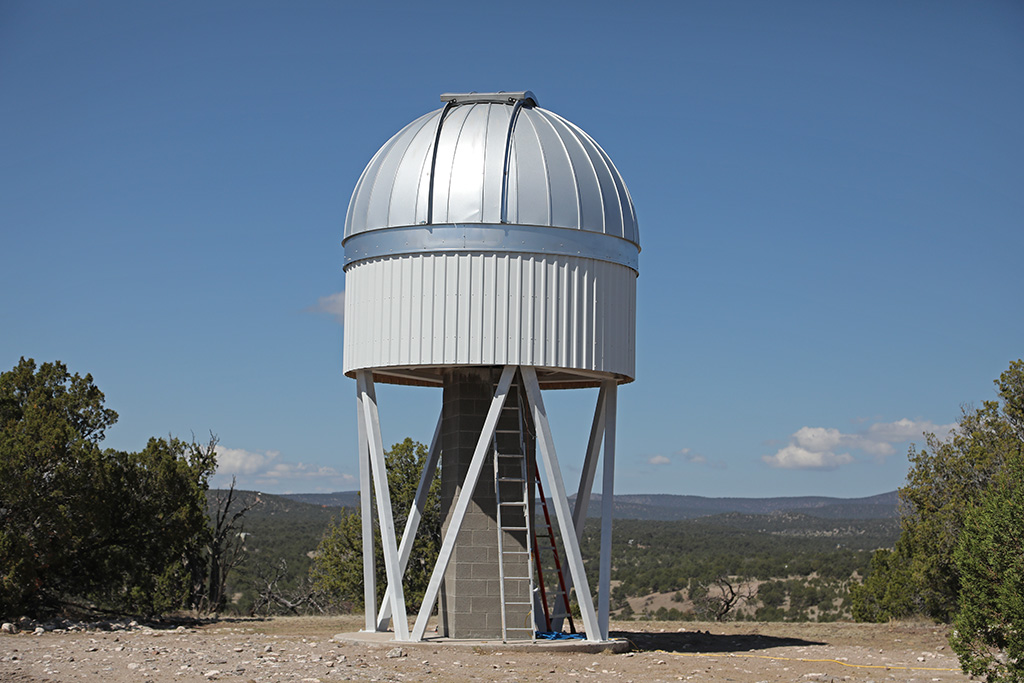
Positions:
{"x": 462, "y": 309}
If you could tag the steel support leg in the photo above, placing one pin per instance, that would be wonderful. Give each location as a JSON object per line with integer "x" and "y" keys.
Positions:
{"x": 366, "y": 511}
{"x": 607, "y": 506}
{"x": 364, "y": 382}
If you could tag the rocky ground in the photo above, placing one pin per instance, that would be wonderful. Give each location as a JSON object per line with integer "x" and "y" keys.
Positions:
{"x": 304, "y": 650}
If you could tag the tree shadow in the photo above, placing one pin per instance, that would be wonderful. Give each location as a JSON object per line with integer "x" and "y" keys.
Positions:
{"x": 705, "y": 641}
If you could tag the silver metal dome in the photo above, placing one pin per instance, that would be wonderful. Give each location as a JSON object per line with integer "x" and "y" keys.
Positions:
{"x": 488, "y": 160}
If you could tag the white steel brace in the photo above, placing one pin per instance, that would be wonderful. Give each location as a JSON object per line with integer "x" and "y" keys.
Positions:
{"x": 412, "y": 523}
{"x": 368, "y": 401}
{"x": 602, "y": 430}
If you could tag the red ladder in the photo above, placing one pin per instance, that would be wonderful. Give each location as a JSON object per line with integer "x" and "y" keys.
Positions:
{"x": 550, "y": 546}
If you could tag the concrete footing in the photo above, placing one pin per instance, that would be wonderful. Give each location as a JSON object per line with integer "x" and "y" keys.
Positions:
{"x": 387, "y": 639}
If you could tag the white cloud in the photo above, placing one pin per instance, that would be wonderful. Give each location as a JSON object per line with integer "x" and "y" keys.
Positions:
{"x": 907, "y": 430}
{"x": 658, "y": 460}
{"x": 817, "y": 439}
{"x": 815, "y": 447}
{"x": 238, "y": 461}
{"x": 332, "y": 304}
{"x": 691, "y": 457}
{"x": 267, "y": 472}
{"x": 794, "y": 457}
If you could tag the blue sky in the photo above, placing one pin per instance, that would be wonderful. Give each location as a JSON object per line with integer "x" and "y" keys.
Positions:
{"x": 830, "y": 196}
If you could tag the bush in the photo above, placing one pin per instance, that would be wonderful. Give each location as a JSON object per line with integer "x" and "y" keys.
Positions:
{"x": 988, "y": 631}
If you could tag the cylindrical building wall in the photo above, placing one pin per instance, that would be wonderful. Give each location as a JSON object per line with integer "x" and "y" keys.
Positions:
{"x": 419, "y": 313}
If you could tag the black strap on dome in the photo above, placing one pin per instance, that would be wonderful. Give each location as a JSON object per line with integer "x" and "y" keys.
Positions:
{"x": 508, "y": 153}
{"x": 433, "y": 159}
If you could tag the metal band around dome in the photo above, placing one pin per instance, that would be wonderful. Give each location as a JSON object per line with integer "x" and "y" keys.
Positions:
{"x": 504, "y": 238}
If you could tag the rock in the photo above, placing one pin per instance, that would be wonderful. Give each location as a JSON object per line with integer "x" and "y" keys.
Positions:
{"x": 39, "y": 631}
{"x": 8, "y": 627}
{"x": 394, "y": 653}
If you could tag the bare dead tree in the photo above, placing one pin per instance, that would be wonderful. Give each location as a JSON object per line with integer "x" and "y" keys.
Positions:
{"x": 270, "y": 596}
{"x": 722, "y": 594}
{"x": 227, "y": 544}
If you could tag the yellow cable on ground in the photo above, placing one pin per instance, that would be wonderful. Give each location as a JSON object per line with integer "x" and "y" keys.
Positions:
{"x": 800, "y": 659}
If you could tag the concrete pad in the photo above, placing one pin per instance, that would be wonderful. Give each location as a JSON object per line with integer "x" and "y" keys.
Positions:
{"x": 387, "y": 639}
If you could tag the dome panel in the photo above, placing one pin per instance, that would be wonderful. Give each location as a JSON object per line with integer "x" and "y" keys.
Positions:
{"x": 562, "y": 185}
{"x": 469, "y": 169}
{"x": 409, "y": 173}
{"x": 524, "y": 181}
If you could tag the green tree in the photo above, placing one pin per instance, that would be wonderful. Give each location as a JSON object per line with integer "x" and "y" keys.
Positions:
{"x": 51, "y": 423}
{"x": 988, "y": 632}
{"x": 338, "y": 566}
{"x": 946, "y": 480}
{"x": 82, "y": 526}
{"x": 155, "y": 535}
{"x": 887, "y": 591}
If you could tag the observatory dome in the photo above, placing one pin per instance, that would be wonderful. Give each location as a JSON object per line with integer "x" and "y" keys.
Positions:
{"x": 491, "y": 183}
{"x": 492, "y": 163}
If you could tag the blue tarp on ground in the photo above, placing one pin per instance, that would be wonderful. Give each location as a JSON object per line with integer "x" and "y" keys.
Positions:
{"x": 556, "y": 635}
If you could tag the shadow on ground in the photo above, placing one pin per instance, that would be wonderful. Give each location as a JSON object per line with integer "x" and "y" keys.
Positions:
{"x": 704, "y": 641}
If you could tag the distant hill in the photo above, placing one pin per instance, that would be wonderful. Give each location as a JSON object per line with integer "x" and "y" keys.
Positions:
{"x": 339, "y": 499}
{"x": 669, "y": 507}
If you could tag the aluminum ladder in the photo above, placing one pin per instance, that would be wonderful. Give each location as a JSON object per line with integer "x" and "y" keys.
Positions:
{"x": 512, "y": 494}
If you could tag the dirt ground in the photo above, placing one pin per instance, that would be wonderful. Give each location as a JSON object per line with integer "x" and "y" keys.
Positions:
{"x": 303, "y": 650}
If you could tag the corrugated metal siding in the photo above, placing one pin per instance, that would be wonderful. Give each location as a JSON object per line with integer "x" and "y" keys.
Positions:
{"x": 490, "y": 309}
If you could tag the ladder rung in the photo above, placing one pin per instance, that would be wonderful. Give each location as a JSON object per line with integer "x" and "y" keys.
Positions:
{"x": 511, "y": 479}
{"x": 510, "y": 455}
{"x": 514, "y": 528}
{"x": 515, "y": 552}
{"x": 506, "y": 431}
{"x": 520, "y": 503}
{"x": 518, "y": 603}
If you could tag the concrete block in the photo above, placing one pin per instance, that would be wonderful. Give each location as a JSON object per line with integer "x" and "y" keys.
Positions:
{"x": 484, "y": 570}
